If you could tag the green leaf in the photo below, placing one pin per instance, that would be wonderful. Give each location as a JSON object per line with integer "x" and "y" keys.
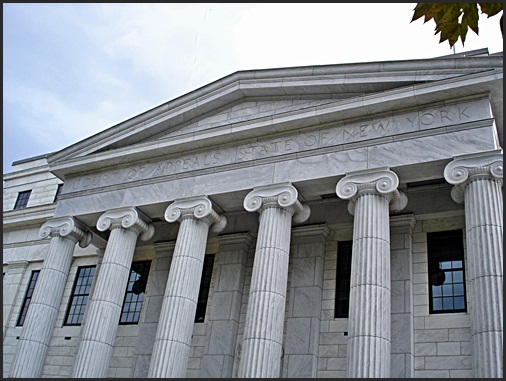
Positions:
{"x": 446, "y": 17}
{"x": 426, "y": 9}
{"x": 491, "y": 9}
{"x": 421, "y": 9}
{"x": 470, "y": 17}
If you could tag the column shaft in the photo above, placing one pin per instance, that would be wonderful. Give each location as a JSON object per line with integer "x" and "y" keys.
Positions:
{"x": 484, "y": 231}
{"x": 41, "y": 316}
{"x": 369, "y": 316}
{"x": 262, "y": 345}
{"x": 65, "y": 232}
{"x": 262, "y": 349}
{"x": 99, "y": 332}
{"x": 477, "y": 180}
{"x": 372, "y": 195}
{"x": 173, "y": 338}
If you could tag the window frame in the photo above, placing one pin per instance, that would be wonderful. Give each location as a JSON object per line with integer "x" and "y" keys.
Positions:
{"x": 453, "y": 241}
{"x": 343, "y": 279}
{"x": 27, "y": 298}
{"x": 205, "y": 286}
{"x": 129, "y": 291}
{"x": 22, "y": 201}
{"x": 58, "y": 191}
{"x": 73, "y": 295}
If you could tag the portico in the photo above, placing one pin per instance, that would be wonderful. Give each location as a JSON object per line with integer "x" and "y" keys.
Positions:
{"x": 334, "y": 153}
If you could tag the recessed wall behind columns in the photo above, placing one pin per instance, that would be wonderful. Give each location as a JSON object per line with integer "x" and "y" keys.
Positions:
{"x": 304, "y": 301}
{"x": 401, "y": 288}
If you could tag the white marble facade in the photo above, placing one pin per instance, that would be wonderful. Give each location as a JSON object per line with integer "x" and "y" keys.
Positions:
{"x": 269, "y": 172}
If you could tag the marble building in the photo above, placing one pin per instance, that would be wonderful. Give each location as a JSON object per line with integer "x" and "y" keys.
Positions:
{"x": 324, "y": 221}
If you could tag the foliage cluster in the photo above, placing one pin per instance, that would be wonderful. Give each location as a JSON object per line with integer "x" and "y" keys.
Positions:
{"x": 454, "y": 19}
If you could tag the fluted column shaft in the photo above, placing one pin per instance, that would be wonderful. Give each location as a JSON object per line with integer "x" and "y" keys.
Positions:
{"x": 478, "y": 180}
{"x": 370, "y": 310}
{"x": 99, "y": 333}
{"x": 261, "y": 347}
{"x": 65, "y": 232}
{"x": 173, "y": 337}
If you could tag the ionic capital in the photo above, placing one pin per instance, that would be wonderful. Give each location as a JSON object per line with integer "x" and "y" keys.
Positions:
{"x": 200, "y": 208}
{"x": 129, "y": 218}
{"x": 66, "y": 227}
{"x": 277, "y": 196}
{"x": 465, "y": 169}
{"x": 382, "y": 182}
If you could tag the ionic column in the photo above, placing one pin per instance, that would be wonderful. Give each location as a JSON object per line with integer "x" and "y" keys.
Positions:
{"x": 65, "y": 232}
{"x": 173, "y": 336}
{"x": 104, "y": 309}
{"x": 261, "y": 348}
{"x": 477, "y": 181}
{"x": 371, "y": 195}
{"x": 11, "y": 282}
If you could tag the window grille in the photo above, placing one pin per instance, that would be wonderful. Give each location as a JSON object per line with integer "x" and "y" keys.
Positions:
{"x": 134, "y": 295}
{"x": 79, "y": 296}
{"x": 447, "y": 284}
{"x": 28, "y": 298}
{"x": 22, "y": 200}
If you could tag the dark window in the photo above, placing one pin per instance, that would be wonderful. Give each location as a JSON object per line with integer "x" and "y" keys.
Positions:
{"x": 22, "y": 200}
{"x": 134, "y": 295}
{"x": 205, "y": 283}
{"x": 58, "y": 191}
{"x": 447, "y": 284}
{"x": 79, "y": 296}
{"x": 343, "y": 273}
{"x": 28, "y": 297}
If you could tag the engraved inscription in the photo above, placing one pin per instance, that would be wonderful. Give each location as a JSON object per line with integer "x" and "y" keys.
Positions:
{"x": 303, "y": 141}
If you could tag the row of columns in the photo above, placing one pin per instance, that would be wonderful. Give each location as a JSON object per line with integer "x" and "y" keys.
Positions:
{"x": 371, "y": 194}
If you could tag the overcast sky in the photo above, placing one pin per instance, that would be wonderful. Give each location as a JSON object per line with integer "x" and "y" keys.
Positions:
{"x": 72, "y": 70}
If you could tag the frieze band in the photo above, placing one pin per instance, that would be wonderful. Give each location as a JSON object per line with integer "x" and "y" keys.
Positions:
{"x": 299, "y": 142}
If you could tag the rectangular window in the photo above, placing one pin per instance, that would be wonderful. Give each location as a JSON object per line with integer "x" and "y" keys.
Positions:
{"x": 79, "y": 296}
{"x": 343, "y": 274}
{"x": 22, "y": 200}
{"x": 28, "y": 297}
{"x": 134, "y": 295}
{"x": 447, "y": 284}
{"x": 205, "y": 283}
{"x": 58, "y": 191}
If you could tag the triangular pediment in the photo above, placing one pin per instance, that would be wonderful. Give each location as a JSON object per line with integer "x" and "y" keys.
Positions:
{"x": 249, "y": 104}
{"x": 245, "y": 110}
